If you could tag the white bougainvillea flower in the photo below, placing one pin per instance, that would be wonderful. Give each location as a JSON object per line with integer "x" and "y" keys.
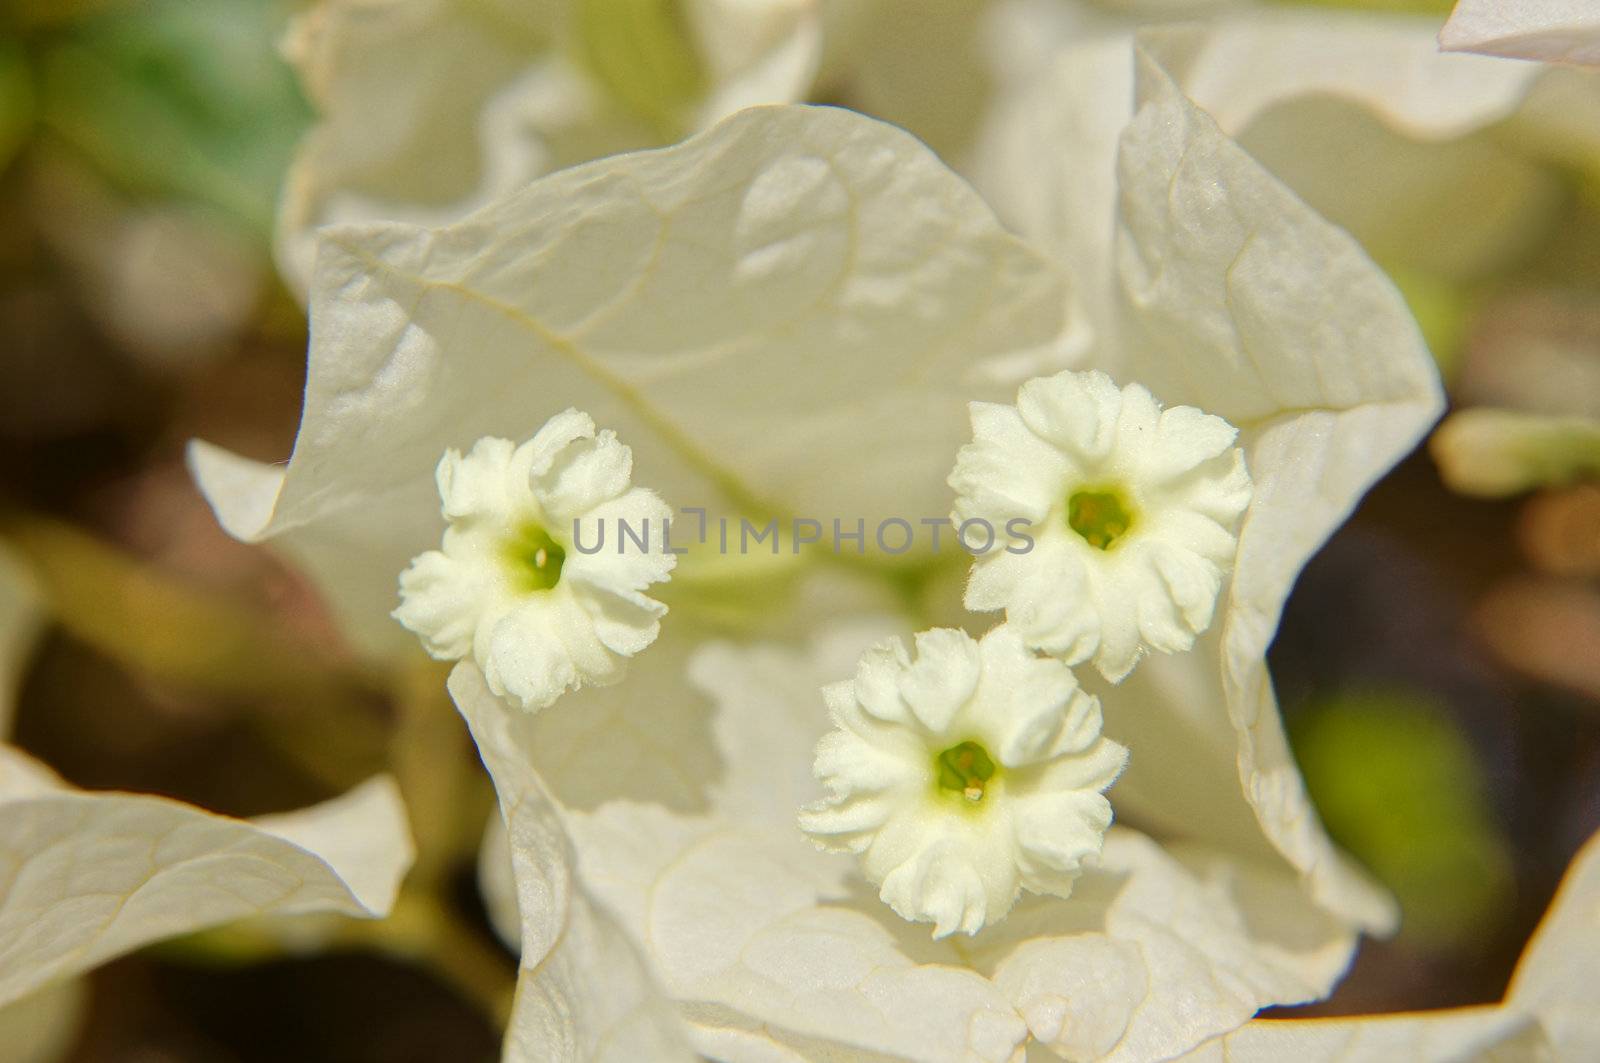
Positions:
{"x": 1548, "y": 1012}
{"x": 788, "y": 316}
{"x": 756, "y": 311}
{"x": 430, "y": 109}
{"x": 1555, "y": 31}
{"x": 1358, "y": 112}
{"x": 543, "y": 567}
{"x": 1129, "y": 513}
{"x": 1448, "y": 168}
{"x": 941, "y": 67}
{"x": 791, "y": 314}
{"x": 771, "y": 950}
{"x": 963, "y": 776}
{"x": 1200, "y": 273}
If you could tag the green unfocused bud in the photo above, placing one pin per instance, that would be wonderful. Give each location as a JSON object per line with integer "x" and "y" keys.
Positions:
{"x": 643, "y": 53}
{"x": 175, "y": 99}
{"x": 1399, "y": 786}
{"x": 16, "y": 100}
{"x": 1440, "y": 308}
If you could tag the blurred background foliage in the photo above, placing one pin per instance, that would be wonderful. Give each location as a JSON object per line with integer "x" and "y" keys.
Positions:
{"x": 1439, "y": 662}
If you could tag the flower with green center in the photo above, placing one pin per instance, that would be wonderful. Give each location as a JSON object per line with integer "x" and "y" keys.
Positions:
{"x": 1131, "y": 514}
{"x": 508, "y": 588}
{"x": 731, "y": 303}
{"x": 963, "y": 776}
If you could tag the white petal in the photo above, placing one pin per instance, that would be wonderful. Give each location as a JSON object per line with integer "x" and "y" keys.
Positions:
{"x": 877, "y": 682}
{"x": 429, "y": 110}
{"x": 489, "y": 481}
{"x": 1078, "y": 412}
{"x": 625, "y": 624}
{"x": 1052, "y": 603}
{"x": 1006, "y": 471}
{"x": 1547, "y": 1013}
{"x": 1184, "y": 438}
{"x": 994, "y": 582}
{"x": 1152, "y": 956}
{"x": 1555, "y": 31}
{"x": 786, "y": 955}
{"x": 1056, "y": 833}
{"x": 1190, "y": 583}
{"x": 752, "y": 294}
{"x": 648, "y": 739}
{"x": 91, "y": 876}
{"x": 583, "y": 992}
{"x": 1025, "y": 703}
{"x": 938, "y": 885}
{"x": 497, "y": 885}
{"x": 942, "y": 676}
{"x": 443, "y": 600}
{"x": 1556, "y": 975}
{"x": 736, "y": 924}
{"x": 845, "y": 762}
{"x": 1216, "y": 258}
{"x": 544, "y": 647}
{"x": 582, "y": 476}
{"x": 555, "y": 439}
{"x": 620, "y": 565}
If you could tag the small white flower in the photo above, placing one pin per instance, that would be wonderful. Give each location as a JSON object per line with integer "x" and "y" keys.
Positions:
{"x": 1131, "y": 511}
{"x": 963, "y": 776}
{"x": 511, "y": 587}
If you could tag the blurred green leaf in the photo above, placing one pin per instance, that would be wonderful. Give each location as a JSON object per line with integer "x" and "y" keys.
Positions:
{"x": 16, "y": 100}
{"x": 1400, "y": 787}
{"x": 182, "y": 99}
{"x": 1441, "y": 309}
{"x": 641, "y": 51}
{"x": 33, "y": 15}
{"x": 320, "y": 709}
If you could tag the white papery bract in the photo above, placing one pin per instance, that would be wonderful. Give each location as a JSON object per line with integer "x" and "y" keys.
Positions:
{"x": 795, "y": 309}
{"x": 1555, "y": 31}
{"x": 1124, "y": 517}
{"x": 510, "y": 585}
{"x": 962, "y": 776}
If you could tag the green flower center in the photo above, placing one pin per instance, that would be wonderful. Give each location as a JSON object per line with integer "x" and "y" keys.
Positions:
{"x": 535, "y": 558}
{"x": 966, "y": 770}
{"x": 1101, "y": 516}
